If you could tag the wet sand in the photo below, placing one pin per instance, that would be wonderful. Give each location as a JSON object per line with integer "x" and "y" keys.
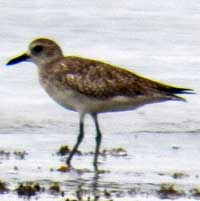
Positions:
{"x": 149, "y": 168}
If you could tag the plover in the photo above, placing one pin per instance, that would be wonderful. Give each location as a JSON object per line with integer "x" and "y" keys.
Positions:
{"x": 91, "y": 87}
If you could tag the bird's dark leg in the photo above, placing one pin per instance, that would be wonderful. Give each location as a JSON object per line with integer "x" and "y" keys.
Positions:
{"x": 98, "y": 141}
{"x": 79, "y": 140}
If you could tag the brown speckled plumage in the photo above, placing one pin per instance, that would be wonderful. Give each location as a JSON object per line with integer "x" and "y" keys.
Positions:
{"x": 101, "y": 80}
{"x": 91, "y": 87}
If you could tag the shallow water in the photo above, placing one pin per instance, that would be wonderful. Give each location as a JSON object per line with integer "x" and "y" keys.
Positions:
{"x": 157, "y": 39}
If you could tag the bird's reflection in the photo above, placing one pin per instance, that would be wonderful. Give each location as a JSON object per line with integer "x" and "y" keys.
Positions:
{"x": 88, "y": 188}
{"x": 95, "y": 185}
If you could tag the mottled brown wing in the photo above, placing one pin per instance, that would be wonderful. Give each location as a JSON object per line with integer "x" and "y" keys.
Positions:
{"x": 101, "y": 80}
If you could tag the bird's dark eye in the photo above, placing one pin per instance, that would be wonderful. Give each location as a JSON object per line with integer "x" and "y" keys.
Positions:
{"x": 37, "y": 49}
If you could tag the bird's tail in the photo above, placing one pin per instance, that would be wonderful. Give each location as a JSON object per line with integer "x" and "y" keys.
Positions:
{"x": 173, "y": 92}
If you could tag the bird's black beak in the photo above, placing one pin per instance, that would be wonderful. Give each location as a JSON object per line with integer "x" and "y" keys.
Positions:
{"x": 16, "y": 60}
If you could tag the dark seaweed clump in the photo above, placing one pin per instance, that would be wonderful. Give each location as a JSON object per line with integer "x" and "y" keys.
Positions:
{"x": 3, "y": 187}
{"x": 170, "y": 191}
{"x": 28, "y": 189}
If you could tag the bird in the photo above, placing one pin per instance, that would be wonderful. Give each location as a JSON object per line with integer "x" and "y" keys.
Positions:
{"x": 90, "y": 87}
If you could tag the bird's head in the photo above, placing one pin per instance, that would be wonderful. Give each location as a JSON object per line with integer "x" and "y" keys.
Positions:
{"x": 41, "y": 51}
